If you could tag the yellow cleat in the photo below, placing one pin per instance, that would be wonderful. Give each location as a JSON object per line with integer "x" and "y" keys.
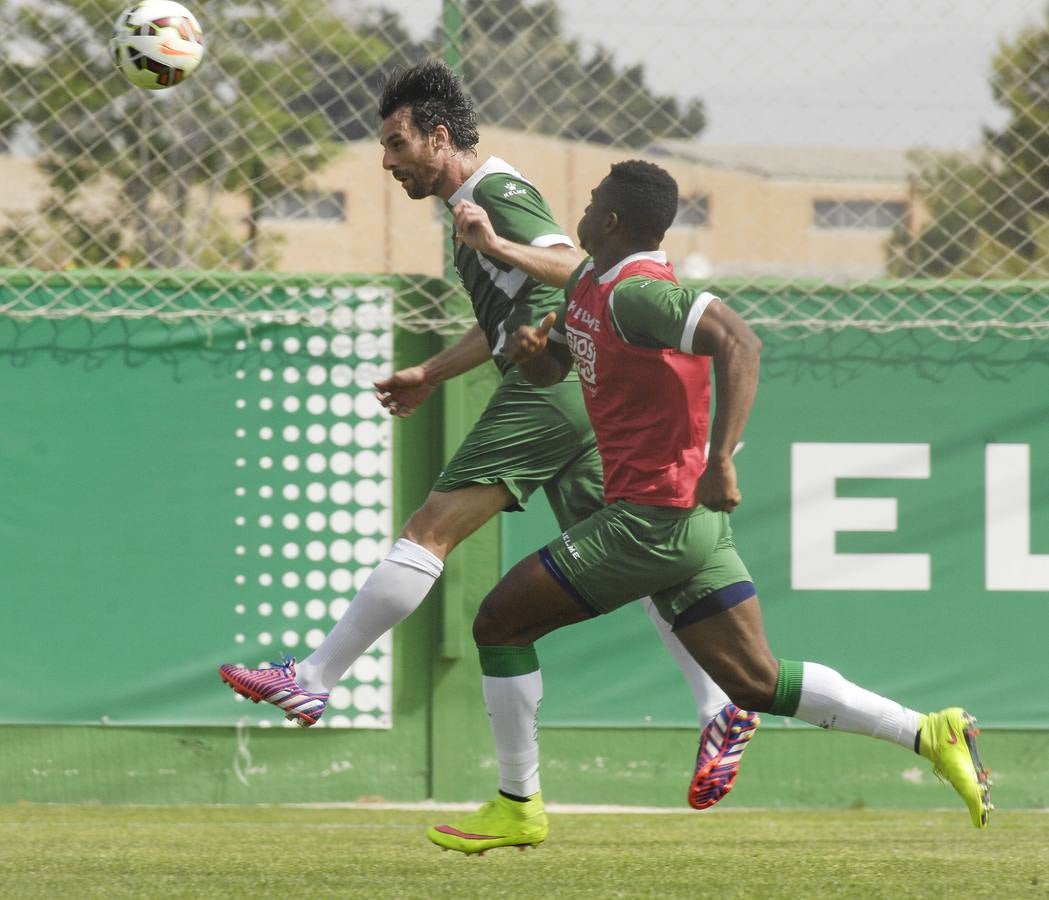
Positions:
{"x": 501, "y": 822}
{"x": 948, "y": 740}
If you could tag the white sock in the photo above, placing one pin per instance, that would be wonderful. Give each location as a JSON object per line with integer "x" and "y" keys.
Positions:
{"x": 513, "y": 713}
{"x": 828, "y": 700}
{"x": 392, "y": 592}
{"x": 710, "y": 699}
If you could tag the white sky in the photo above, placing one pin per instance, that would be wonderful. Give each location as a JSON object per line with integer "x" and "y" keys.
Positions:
{"x": 887, "y": 73}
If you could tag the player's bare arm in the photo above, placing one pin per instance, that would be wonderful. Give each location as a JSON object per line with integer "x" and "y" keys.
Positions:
{"x": 736, "y": 353}
{"x": 550, "y": 265}
{"x": 406, "y": 389}
{"x": 541, "y": 361}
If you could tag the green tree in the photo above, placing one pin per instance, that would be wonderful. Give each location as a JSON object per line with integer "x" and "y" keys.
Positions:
{"x": 1020, "y": 84}
{"x": 524, "y": 73}
{"x": 116, "y": 154}
{"x": 990, "y": 216}
{"x": 349, "y": 90}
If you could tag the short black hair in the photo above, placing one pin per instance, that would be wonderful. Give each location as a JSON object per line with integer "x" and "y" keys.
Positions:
{"x": 644, "y": 196}
{"x": 435, "y": 96}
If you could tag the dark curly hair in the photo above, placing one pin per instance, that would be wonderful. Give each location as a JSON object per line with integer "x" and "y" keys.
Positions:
{"x": 435, "y": 96}
{"x": 645, "y": 198}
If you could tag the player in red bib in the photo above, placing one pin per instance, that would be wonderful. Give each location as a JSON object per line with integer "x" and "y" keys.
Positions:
{"x": 644, "y": 346}
{"x": 661, "y": 471}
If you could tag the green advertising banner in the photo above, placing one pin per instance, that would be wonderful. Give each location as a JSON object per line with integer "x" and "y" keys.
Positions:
{"x": 178, "y": 496}
{"x": 896, "y": 521}
{"x": 181, "y": 494}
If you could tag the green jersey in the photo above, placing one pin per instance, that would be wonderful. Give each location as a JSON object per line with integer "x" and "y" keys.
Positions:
{"x": 504, "y": 297}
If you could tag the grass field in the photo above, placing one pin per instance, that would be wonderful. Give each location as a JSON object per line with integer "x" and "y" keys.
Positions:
{"x": 72, "y": 852}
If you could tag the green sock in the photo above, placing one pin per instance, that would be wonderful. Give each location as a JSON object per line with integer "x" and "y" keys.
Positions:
{"x": 506, "y": 662}
{"x": 788, "y": 689}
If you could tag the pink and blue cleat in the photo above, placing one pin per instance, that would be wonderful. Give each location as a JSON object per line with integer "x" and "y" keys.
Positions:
{"x": 277, "y": 685}
{"x": 720, "y": 747}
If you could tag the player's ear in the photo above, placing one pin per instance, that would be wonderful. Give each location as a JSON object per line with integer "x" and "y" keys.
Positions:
{"x": 441, "y": 137}
{"x": 611, "y": 221}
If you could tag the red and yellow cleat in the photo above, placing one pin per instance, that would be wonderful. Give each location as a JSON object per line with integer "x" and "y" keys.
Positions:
{"x": 501, "y": 822}
{"x": 948, "y": 740}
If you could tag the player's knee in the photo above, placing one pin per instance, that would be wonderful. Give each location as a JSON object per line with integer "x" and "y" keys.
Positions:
{"x": 429, "y": 527}
{"x": 488, "y": 630}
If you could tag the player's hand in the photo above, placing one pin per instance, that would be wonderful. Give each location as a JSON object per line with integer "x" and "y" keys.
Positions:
{"x": 717, "y": 488}
{"x": 473, "y": 227}
{"x": 404, "y": 391}
{"x": 528, "y": 341}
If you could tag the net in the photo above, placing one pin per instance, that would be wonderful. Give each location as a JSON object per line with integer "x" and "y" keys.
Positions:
{"x": 837, "y": 168}
{"x": 950, "y": 309}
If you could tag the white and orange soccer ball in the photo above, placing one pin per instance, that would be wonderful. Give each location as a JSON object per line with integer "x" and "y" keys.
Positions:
{"x": 156, "y": 44}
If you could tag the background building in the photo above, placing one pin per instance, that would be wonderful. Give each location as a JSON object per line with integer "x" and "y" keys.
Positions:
{"x": 744, "y": 211}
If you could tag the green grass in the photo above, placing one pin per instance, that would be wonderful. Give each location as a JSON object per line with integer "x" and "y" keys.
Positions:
{"x": 75, "y": 852}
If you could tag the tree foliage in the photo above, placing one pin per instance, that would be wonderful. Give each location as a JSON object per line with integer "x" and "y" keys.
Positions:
{"x": 989, "y": 216}
{"x": 524, "y": 73}
{"x": 117, "y": 154}
{"x": 348, "y": 92}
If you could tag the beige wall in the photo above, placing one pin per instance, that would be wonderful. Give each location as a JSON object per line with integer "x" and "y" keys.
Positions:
{"x": 23, "y": 187}
{"x": 759, "y": 224}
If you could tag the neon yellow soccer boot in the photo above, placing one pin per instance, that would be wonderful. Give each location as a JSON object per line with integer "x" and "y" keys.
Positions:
{"x": 501, "y": 822}
{"x": 948, "y": 740}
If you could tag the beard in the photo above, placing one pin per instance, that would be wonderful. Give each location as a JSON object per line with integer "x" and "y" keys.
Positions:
{"x": 421, "y": 184}
{"x": 416, "y": 191}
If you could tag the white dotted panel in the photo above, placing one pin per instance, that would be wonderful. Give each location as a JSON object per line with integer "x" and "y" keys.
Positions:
{"x": 312, "y": 523}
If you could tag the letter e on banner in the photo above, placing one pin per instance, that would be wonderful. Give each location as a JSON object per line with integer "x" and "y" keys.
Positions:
{"x": 817, "y": 515}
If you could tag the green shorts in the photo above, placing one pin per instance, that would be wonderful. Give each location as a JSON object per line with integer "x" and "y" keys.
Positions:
{"x": 683, "y": 558}
{"x": 528, "y": 438}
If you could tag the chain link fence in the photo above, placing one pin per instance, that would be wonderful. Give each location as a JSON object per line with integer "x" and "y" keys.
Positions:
{"x": 851, "y": 164}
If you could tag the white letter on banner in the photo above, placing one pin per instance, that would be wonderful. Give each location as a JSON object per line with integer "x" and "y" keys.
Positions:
{"x": 817, "y": 515}
{"x": 1010, "y": 564}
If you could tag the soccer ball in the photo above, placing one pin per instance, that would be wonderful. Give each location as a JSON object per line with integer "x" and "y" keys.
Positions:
{"x": 156, "y": 44}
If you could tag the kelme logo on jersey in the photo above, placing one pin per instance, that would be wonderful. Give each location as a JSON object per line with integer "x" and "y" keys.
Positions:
{"x": 513, "y": 190}
{"x": 585, "y": 318}
{"x": 585, "y": 355}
